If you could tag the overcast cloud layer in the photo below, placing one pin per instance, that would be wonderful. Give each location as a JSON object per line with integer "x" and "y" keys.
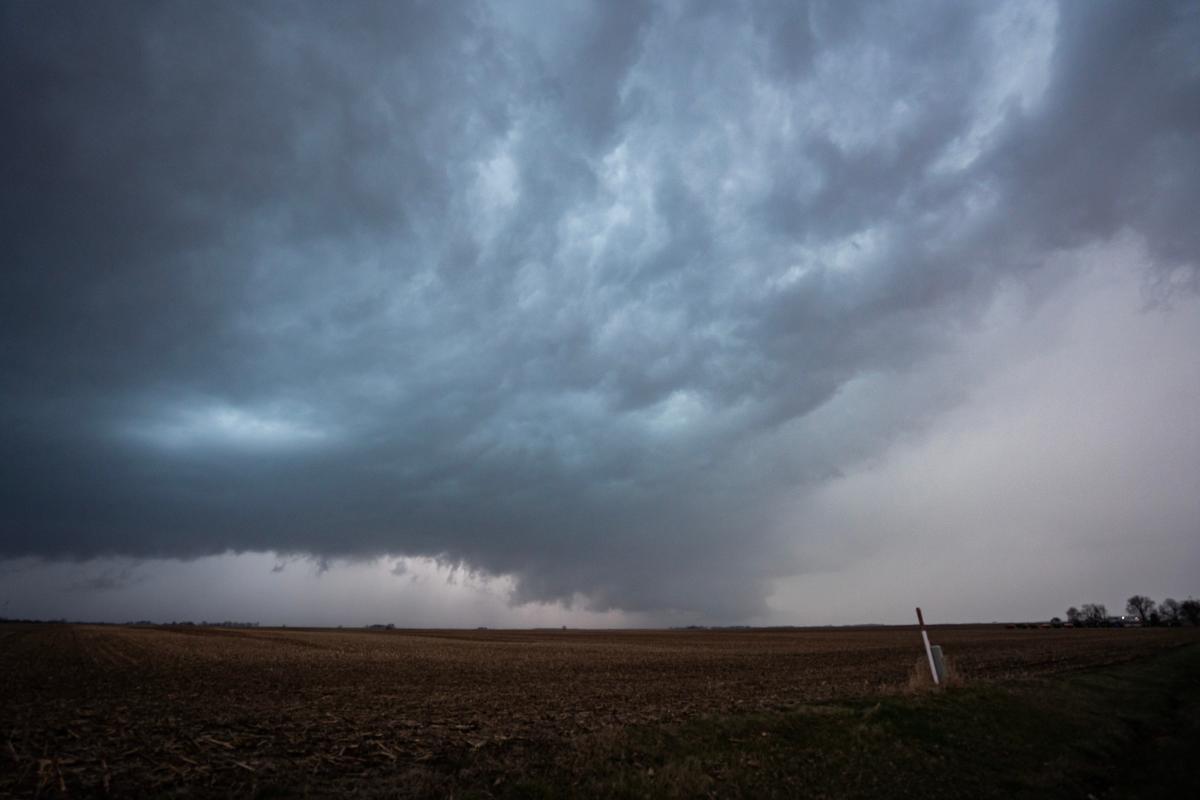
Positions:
{"x": 620, "y": 302}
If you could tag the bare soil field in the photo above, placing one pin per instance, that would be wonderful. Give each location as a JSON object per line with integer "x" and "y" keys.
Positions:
{"x": 135, "y": 711}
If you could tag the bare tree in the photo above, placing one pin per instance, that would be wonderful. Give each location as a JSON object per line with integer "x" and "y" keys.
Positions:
{"x": 1094, "y": 614}
{"x": 1142, "y": 606}
{"x": 1190, "y": 609}
{"x": 1073, "y": 616}
{"x": 1170, "y": 610}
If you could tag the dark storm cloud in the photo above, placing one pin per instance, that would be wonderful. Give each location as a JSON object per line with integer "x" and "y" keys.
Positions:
{"x": 544, "y": 289}
{"x": 109, "y": 579}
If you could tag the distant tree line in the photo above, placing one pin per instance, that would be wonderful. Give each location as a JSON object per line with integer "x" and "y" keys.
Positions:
{"x": 1170, "y": 613}
{"x": 229, "y": 623}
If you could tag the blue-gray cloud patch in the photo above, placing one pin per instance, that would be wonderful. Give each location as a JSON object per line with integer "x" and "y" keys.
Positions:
{"x": 536, "y": 288}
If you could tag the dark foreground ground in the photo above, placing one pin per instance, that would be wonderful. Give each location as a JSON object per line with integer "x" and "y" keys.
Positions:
{"x": 196, "y": 712}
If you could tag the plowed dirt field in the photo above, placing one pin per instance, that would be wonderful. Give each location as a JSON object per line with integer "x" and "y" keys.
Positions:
{"x": 131, "y": 711}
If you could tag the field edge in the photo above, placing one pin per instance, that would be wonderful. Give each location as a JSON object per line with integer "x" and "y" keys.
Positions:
{"x": 1121, "y": 731}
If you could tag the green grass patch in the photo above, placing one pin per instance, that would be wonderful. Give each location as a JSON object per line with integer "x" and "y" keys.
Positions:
{"x": 1125, "y": 731}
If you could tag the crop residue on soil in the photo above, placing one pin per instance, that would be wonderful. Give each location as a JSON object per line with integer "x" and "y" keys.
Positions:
{"x": 128, "y": 710}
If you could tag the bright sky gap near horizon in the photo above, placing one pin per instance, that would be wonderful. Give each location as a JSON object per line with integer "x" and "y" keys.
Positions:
{"x": 608, "y": 313}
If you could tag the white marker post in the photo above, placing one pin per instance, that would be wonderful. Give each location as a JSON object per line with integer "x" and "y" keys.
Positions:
{"x": 928, "y": 651}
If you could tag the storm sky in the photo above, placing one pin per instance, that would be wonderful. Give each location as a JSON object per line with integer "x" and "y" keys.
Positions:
{"x": 603, "y": 313}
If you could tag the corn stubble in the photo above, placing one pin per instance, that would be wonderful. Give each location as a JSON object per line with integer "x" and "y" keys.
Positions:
{"x": 124, "y": 711}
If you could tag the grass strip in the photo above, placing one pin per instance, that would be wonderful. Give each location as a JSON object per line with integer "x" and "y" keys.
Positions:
{"x": 1123, "y": 731}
